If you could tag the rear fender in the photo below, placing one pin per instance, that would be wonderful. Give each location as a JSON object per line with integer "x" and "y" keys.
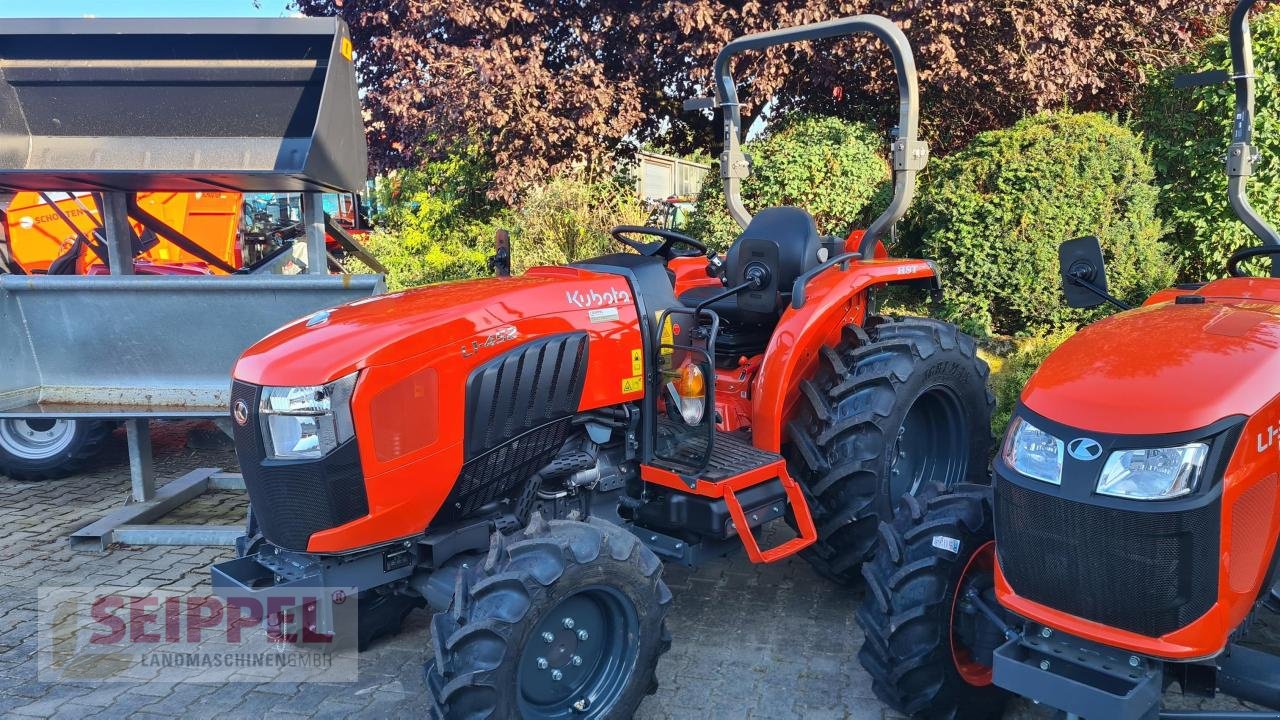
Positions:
{"x": 835, "y": 299}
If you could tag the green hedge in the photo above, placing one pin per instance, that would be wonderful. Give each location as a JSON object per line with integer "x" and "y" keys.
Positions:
{"x": 834, "y": 169}
{"x": 568, "y": 219}
{"x": 994, "y": 214}
{"x": 1011, "y": 373}
{"x": 1187, "y": 132}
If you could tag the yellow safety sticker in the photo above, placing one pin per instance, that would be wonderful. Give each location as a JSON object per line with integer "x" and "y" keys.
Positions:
{"x": 632, "y": 385}
{"x": 637, "y": 362}
{"x": 346, "y": 48}
{"x": 668, "y": 336}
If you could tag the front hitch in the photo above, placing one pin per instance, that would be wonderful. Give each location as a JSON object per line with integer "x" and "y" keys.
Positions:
{"x": 1079, "y": 677}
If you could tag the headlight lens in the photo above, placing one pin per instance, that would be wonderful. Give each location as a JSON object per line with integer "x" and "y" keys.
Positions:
{"x": 1033, "y": 452}
{"x": 307, "y": 422}
{"x": 1153, "y": 473}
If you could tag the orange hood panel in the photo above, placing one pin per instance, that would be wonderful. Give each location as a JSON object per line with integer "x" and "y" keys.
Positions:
{"x": 395, "y": 326}
{"x": 1166, "y": 367}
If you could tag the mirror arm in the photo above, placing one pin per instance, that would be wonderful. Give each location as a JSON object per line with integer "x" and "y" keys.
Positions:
{"x": 1099, "y": 292}
{"x": 702, "y": 306}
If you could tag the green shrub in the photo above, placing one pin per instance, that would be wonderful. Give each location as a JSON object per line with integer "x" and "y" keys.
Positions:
{"x": 1015, "y": 369}
{"x": 834, "y": 169}
{"x": 568, "y": 219}
{"x": 994, "y": 214}
{"x": 435, "y": 223}
{"x": 413, "y": 259}
{"x": 1187, "y": 132}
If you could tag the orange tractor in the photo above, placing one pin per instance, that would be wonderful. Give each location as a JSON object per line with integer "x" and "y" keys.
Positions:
{"x": 1130, "y": 541}
{"x": 520, "y": 454}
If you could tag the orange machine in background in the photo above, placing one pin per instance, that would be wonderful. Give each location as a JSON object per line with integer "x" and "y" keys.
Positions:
{"x": 39, "y": 234}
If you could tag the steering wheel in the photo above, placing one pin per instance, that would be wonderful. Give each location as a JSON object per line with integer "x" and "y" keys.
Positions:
{"x": 1239, "y": 256}
{"x": 665, "y": 248}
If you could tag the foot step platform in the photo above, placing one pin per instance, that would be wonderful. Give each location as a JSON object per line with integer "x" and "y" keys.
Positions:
{"x": 735, "y": 465}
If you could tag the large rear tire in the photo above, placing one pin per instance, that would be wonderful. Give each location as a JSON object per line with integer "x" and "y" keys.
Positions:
{"x": 927, "y": 648}
{"x": 46, "y": 449}
{"x": 563, "y": 619}
{"x": 895, "y": 407}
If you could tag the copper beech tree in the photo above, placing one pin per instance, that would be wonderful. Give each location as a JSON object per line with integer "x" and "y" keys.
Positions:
{"x": 548, "y": 84}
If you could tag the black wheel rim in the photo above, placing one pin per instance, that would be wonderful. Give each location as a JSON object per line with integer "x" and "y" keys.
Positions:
{"x": 580, "y": 657}
{"x": 932, "y": 444}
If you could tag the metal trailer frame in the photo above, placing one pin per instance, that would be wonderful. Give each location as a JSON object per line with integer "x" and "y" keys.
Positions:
{"x": 118, "y": 106}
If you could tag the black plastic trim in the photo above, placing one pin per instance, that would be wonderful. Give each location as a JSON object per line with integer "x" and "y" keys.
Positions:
{"x": 523, "y": 389}
{"x": 1080, "y": 479}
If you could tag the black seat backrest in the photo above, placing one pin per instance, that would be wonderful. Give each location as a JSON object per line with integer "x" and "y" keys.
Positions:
{"x": 783, "y": 239}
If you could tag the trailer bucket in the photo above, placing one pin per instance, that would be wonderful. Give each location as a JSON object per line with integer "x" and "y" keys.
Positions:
{"x": 250, "y": 105}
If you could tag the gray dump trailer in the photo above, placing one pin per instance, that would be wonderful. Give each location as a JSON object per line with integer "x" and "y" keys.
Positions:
{"x": 114, "y": 107}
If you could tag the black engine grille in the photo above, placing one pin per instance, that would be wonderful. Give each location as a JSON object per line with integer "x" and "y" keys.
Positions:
{"x": 524, "y": 389}
{"x": 500, "y": 472}
{"x": 292, "y": 499}
{"x": 519, "y": 406}
{"x": 1146, "y": 572}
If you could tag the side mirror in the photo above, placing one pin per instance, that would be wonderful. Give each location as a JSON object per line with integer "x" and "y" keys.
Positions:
{"x": 1084, "y": 272}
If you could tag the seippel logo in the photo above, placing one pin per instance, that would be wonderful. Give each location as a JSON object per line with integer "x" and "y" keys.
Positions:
{"x": 593, "y": 298}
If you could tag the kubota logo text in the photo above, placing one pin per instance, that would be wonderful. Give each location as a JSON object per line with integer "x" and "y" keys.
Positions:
{"x": 592, "y": 298}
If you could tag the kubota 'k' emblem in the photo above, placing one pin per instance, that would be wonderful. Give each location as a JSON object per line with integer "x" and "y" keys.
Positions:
{"x": 240, "y": 413}
{"x": 1085, "y": 449}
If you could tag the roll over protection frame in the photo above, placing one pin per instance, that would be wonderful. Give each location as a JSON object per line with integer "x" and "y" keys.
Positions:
{"x": 909, "y": 153}
{"x": 1242, "y": 153}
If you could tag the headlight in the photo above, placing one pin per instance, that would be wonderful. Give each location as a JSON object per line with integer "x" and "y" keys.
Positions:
{"x": 1154, "y": 473}
{"x": 308, "y": 422}
{"x": 1033, "y": 452}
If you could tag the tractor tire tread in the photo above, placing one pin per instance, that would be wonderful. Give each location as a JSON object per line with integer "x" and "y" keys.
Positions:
{"x": 906, "y": 619}
{"x": 839, "y": 438}
{"x": 474, "y": 641}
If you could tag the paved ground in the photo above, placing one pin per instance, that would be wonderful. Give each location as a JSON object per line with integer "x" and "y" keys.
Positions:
{"x": 771, "y": 642}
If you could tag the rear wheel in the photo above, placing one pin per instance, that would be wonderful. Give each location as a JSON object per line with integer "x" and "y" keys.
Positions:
{"x": 44, "y": 449}
{"x": 562, "y": 620}
{"x": 928, "y": 645}
{"x": 895, "y": 407}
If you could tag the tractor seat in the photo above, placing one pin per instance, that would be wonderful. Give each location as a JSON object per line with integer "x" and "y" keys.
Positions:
{"x": 785, "y": 241}
{"x": 727, "y": 308}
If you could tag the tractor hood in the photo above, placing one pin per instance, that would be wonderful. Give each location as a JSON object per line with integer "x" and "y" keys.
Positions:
{"x": 1163, "y": 368}
{"x": 384, "y": 329}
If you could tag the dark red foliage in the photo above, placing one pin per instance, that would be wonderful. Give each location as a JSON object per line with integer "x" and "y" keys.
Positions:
{"x": 547, "y": 84}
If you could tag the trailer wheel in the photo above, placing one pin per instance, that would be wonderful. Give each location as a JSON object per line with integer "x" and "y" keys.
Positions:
{"x": 893, "y": 408}
{"x": 45, "y": 449}
{"x": 563, "y": 619}
{"x": 928, "y": 647}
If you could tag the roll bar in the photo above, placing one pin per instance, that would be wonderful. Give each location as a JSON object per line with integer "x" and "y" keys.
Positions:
{"x": 909, "y": 153}
{"x": 1242, "y": 154}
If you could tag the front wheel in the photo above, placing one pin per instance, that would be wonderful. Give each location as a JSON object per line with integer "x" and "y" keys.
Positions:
{"x": 563, "y": 619}
{"x": 928, "y": 645}
{"x": 44, "y": 449}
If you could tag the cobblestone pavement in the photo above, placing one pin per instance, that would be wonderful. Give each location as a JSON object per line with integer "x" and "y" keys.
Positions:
{"x": 751, "y": 642}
